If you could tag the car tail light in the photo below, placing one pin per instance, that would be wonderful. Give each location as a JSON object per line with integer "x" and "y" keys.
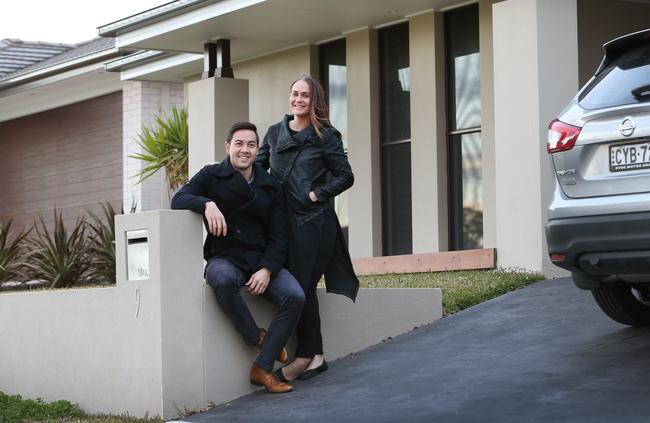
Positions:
{"x": 561, "y": 137}
{"x": 558, "y": 257}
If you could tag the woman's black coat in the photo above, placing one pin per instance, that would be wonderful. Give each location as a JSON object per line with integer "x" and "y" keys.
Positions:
{"x": 255, "y": 215}
{"x": 302, "y": 163}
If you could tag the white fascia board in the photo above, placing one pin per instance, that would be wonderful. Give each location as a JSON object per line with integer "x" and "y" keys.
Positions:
{"x": 58, "y": 91}
{"x": 140, "y": 72}
{"x": 181, "y": 21}
{"x": 48, "y": 70}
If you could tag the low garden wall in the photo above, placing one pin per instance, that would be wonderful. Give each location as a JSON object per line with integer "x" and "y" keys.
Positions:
{"x": 160, "y": 345}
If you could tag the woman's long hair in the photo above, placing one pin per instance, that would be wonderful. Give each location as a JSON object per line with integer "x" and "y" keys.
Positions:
{"x": 319, "y": 114}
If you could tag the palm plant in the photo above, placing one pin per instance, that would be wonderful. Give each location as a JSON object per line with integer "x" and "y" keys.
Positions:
{"x": 57, "y": 258}
{"x": 165, "y": 146}
{"x": 102, "y": 245}
{"x": 11, "y": 252}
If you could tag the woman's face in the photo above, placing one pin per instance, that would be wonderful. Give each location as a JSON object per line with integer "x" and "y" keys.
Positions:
{"x": 300, "y": 98}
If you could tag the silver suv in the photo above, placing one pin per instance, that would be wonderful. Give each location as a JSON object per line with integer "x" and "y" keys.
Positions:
{"x": 599, "y": 220}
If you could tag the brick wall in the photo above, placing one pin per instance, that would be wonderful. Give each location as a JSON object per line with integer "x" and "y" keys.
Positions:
{"x": 142, "y": 102}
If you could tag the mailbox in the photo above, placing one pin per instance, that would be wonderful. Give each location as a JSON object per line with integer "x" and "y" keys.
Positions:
{"x": 137, "y": 254}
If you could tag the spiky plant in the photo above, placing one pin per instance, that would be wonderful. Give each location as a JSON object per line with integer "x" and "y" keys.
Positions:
{"x": 165, "y": 146}
{"x": 102, "y": 245}
{"x": 11, "y": 252}
{"x": 58, "y": 258}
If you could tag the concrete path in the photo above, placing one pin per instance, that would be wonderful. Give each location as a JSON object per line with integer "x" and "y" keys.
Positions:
{"x": 545, "y": 353}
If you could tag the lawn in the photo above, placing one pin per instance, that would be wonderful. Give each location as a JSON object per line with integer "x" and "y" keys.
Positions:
{"x": 460, "y": 289}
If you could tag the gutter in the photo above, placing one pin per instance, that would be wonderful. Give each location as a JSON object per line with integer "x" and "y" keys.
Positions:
{"x": 147, "y": 17}
{"x": 136, "y": 59}
{"x": 58, "y": 68}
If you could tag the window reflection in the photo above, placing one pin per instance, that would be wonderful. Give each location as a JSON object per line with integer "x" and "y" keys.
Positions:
{"x": 338, "y": 103}
{"x": 468, "y": 90}
{"x": 472, "y": 170}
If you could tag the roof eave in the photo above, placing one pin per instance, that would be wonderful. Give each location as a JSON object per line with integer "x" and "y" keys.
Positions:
{"x": 150, "y": 16}
{"x": 61, "y": 67}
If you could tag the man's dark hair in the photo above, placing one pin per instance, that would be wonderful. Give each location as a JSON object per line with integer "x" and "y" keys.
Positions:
{"x": 242, "y": 125}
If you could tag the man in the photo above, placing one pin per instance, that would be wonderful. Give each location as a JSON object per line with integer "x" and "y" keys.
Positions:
{"x": 244, "y": 212}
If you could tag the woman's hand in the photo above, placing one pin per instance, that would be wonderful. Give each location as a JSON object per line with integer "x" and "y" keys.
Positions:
{"x": 216, "y": 221}
{"x": 312, "y": 197}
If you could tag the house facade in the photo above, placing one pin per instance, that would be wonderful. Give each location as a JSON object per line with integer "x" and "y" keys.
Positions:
{"x": 443, "y": 105}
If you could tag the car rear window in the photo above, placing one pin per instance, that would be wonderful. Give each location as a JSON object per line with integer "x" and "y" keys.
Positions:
{"x": 624, "y": 81}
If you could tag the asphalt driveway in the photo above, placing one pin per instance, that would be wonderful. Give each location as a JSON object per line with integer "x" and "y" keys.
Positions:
{"x": 544, "y": 353}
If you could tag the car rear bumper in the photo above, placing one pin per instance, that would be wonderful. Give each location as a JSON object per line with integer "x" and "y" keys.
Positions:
{"x": 601, "y": 246}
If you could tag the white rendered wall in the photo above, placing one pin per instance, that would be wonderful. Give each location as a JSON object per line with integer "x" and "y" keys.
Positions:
{"x": 162, "y": 345}
{"x": 535, "y": 75}
{"x": 142, "y": 102}
{"x": 214, "y": 104}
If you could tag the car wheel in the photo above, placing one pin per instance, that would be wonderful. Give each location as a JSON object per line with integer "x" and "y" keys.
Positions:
{"x": 622, "y": 303}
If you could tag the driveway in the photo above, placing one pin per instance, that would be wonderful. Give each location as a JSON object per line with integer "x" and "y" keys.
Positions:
{"x": 544, "y": 353}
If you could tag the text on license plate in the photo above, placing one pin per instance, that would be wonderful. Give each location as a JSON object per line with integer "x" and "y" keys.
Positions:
{"x": 629, "y": 156}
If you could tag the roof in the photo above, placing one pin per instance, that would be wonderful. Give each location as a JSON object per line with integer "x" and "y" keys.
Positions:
{"x": 152, "y": 15}
{"x": 17, "y": 54}
{"x": 70, "y": 53}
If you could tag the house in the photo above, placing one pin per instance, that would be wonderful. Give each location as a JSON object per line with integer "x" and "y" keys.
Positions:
{"x": 443, "y": 104}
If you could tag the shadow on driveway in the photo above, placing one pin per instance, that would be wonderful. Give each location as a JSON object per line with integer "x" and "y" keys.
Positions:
{"x": 544, "y": 353}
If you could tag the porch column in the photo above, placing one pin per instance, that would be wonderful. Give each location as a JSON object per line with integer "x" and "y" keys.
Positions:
{"x": 214, "y": 105}
{"x": 487, "y": 122}
{"x": 428, "y": 139}
{"x": 363, "y": 148}
{"x": 535, "y": 75}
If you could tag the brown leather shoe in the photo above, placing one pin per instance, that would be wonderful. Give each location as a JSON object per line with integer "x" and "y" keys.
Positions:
{"x": 261, "y": 377}
{"x": 283, "y": 357}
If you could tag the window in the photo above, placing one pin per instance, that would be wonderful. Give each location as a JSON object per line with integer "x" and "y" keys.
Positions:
{"x": 333, "y": 76}
{"x": 464, "y": 123}
{"x": 395, "y": 109}
{"x": 625, "y": 81}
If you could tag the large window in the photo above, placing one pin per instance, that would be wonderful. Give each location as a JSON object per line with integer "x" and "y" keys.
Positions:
{"x": 464, "y": 123}
{"x": 395, "y": 97}
{"x": 333, "y": 76}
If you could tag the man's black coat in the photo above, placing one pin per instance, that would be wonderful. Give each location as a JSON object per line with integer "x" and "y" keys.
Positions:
{"x": 255, "y": 215}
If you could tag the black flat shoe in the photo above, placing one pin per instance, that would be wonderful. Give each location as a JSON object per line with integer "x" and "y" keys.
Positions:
{"x": 308, "y": 374}
{"x": 278, "y": 373}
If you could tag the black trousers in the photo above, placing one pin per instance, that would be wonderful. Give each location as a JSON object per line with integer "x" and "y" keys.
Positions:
{"x": 311, "y": 247}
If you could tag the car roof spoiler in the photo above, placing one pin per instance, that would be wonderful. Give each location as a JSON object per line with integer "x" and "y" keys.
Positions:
{"x": 615, "y": 48}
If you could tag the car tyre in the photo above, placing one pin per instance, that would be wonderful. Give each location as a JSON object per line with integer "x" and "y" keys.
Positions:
{"x": 620, "y": 303}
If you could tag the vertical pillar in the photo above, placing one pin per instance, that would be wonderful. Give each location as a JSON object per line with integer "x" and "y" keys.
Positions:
{"x": 535, "y": 75}
{"x": 487, "y": 122}
{"x": 214, "y": 105}
{"x": 363, "y": 146}
{"x": 141, "y": 103}
{"x": 428, "y": 138}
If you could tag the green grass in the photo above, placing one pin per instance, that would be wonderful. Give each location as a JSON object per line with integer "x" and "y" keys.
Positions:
{"x": 460, "y": 289}
{"x": 14, "y": 409}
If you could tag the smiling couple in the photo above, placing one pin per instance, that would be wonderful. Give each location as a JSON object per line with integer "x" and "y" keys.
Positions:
{"x": 277, "y": 234}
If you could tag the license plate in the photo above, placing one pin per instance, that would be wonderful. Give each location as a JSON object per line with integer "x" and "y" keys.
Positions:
{"x": 629, "y": 157}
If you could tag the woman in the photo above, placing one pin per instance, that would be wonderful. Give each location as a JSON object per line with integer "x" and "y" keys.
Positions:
{"x": 305, "y": 152}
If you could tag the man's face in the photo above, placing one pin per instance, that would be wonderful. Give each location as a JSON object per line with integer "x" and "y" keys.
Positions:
{"x": 242, "y": 149}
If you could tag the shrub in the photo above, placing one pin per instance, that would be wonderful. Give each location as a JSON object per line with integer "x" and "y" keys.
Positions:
{"x": 13, "y": 408}
{"x": 55, "y": 257}
{"x": 11, "y": 252}
{"x": 102, "y": 245}
{"x": 165, "y": 146}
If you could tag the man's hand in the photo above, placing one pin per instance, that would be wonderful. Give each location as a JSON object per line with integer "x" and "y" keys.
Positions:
{"x": 313, "y": 197}
{"x": 216, "y": 222}
{"x": 258, "y": 283}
